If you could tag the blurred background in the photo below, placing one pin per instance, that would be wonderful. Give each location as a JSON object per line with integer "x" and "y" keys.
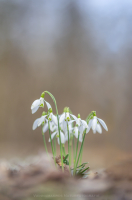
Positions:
{"x": 80, "y": 51}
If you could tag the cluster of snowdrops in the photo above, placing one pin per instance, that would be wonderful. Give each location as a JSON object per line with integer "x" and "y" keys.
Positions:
{"x": 65, "y": 128}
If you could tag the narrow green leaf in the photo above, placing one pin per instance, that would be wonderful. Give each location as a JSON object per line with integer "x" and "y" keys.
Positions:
{"x": 65, "y": 157}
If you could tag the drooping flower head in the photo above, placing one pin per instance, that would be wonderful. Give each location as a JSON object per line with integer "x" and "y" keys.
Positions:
{"x": 81, "y": 125}
{"x": 52, "y": 117}
{"x": 65, "y": 121}
{"x": 95, "y": 122}
{"x": 39, "y": 103}
{"x": 40, "y": 121}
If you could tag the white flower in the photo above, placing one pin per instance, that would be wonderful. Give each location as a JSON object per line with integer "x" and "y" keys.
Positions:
{"x": 80, "y": 122}
{"x": 56, "y": 133}
{"x": 79, "y": 130}
{"x": 64, "y": 117}
{"x": 39, "y": 121}
{"x": 51, "y": 124}
{"x": 52, "y": 118}
{"x": 39, "y": 103}
{"x": 94, "y": 124}
{"x": 81, "y": 125}
{"x": 65, "y": 121}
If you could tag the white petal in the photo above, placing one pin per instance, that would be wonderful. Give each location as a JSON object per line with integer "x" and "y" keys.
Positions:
{"x": 70, "y": 129}
{"x": 64, "y": 126}
{"x": 53, "y": 127}
{"x": 78, "y": 122}
{"x": 45, "y": 127}
{"x": 52, "y": 135}
{"x": 34, "y": 110}
{"x": 90, "y": 123}
{"x": 88, "y": 129}
{"x": 103, "y": 124}
{"x": 66, "y": 137}
{"x": 48, "y": 105}
{"x": 94, "y": 123}
{"x": 41, "y": 101}
{"x": 71, "y": 121}
{"x": 62, "y": 118}
{"x": 35, "y": 124}
{"x": 35, "y": 103}
{"x": 76, "y": 132}
{"x": 98, "y": 128}
{"x": 54, "y": 119}
{"x": 80, "y": 128}
{"x": 94, "y": 131}
{"x": 41, "y": 120}
{"x": 62, "y": 137}
{"x": 74, "y": 117}
{"x": 80, "y": 138}
{"x": 67, "y": 116}
{"x": 84, "y": 123}
{"x": 58, "y": 140}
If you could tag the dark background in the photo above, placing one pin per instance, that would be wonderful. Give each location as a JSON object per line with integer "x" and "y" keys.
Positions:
{"x": 80, "y": 51}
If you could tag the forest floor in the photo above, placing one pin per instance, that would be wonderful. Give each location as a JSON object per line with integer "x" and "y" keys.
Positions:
{"x": 38, "y": 178}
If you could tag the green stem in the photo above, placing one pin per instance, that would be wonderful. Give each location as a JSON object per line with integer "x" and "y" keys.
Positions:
{"x": 51, "y": 141}
{"x": 53, "y": 98}
{"x": 55, "y": 146}
{"x": 88, "y": 117}
{"x": 44, "y": 142}
{"x": 63, "y": 147}
{"x": 76, "y": 152}
{"x": 68, "y": 146}
{"x": 81, "y": 156}
{"x": 70, "y": 155}
{"x": 80, "y": 149}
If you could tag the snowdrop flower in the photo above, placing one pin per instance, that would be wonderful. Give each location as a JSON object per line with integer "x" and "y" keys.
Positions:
{"x": 65, "y": 115}
{"x": 94, "y": 124}
{"x": 79, "y": 130}
{"x": 56, "y": 133}
{"x": 81, "y": 125}
{"x": 39, "y": 121}
{"x": 65, "y": 121}
{"x": 52, "y": 117}
{"x": 39, "y": 103}
{"x": 79, "y": 121}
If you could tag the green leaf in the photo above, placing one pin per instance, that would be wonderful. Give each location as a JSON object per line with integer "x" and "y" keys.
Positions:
{"x": 85, "y": 170}
{"x": 66, "y": 162}
{"x": 82, "y": 165}
{"x": 65, "y": 157}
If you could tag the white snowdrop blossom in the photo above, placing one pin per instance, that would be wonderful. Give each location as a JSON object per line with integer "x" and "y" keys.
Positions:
{"x": 79, "y": 130}
{"x": 81, "y": 125}
{"x": 36, "y": 104}
{"x": 64, "y": 117}
{"x": 94, "y": 124}
{"x": 52, "y": 118}
{"x": 39, "y": 103}
{"x": 65, "y": 121}
{"x": 56, "y": 133}
{"x": 39, "y": 121}
{"x": 80, "y": 122}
